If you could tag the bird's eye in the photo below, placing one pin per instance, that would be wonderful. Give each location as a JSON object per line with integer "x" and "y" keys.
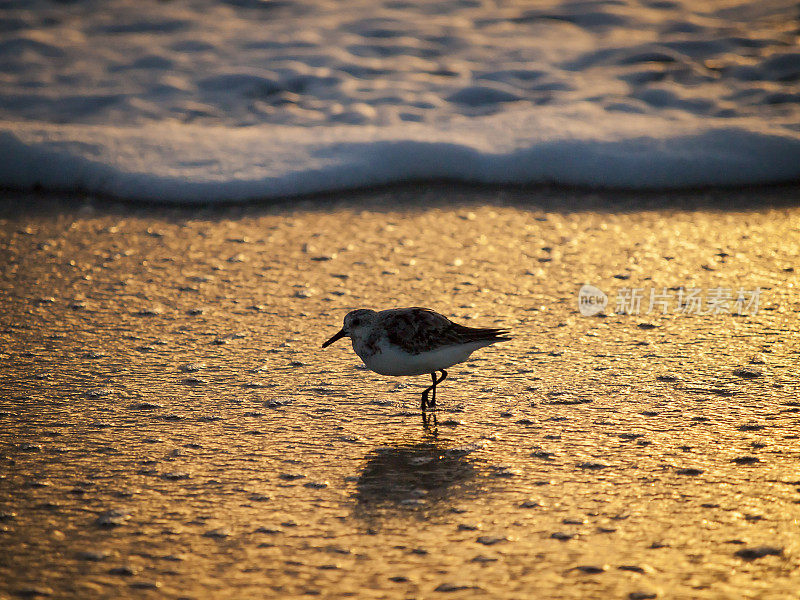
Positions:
{"x": 355, "y": 322}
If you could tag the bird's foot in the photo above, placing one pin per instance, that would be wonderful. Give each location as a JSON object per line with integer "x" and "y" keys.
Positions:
{"x": 424, "y": 403}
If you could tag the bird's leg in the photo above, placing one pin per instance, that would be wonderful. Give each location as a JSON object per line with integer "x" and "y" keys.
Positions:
{"x": 432, "y": 403}
{"x": 432, "y": 388}
{"x": 425, "y": 393}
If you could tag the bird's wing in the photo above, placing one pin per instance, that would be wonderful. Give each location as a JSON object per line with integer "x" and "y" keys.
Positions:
{"x": 417, "y": 330}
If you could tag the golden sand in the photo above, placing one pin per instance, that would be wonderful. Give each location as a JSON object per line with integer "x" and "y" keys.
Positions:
{"x": 170, "y": 427}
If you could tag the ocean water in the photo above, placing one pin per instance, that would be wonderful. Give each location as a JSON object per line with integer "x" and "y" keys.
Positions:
{"x": 228, "y": 100}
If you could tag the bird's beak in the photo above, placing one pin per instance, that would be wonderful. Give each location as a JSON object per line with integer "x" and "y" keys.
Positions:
{"x": 338, "y": 336}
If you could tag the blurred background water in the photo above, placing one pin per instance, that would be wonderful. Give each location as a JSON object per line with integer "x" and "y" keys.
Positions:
{"x": 232, "y": 99}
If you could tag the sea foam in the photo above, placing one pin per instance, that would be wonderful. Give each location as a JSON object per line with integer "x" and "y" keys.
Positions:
{"x": 214, "y": 101}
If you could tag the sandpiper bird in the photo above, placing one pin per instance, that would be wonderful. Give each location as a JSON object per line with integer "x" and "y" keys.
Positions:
{"x": 413, "y": 341}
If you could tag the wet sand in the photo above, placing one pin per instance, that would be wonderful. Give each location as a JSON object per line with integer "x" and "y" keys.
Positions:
{"x": 171, "y": 428}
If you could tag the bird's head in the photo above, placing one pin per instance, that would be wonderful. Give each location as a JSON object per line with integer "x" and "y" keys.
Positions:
{"x": 356, "y": 323}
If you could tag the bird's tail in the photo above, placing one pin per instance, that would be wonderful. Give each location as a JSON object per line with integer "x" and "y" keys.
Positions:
{"x": 482, "y": 334}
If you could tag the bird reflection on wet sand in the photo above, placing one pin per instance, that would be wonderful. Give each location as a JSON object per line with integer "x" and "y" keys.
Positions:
{"x": 430, "y": 423}
{"x": 409, "y": 476}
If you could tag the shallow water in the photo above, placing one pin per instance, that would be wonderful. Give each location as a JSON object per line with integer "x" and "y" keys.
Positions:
{"x": 171, "y": 427}
{"x": 325, "y": 62}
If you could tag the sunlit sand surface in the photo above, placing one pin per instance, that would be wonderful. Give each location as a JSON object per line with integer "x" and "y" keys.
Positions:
{"x": 170, "y": 428}
{"x": 229, "y": 100}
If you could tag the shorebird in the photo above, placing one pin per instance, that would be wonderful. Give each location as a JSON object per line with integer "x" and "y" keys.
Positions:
{"x": 413, "y": 341}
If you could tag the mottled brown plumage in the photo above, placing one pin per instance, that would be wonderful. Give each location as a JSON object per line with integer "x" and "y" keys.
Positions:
{"x": 413, "y": 341}
{"x": 418, "y": 330}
